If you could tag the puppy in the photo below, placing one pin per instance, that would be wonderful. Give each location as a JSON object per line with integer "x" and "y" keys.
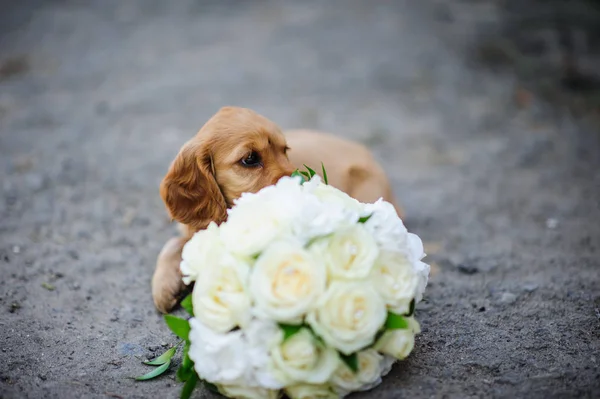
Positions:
{"x": 239, "y": 151}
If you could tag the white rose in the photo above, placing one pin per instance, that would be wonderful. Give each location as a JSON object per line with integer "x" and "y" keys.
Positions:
{"x": 399, "y": 343}
{"x": 349, "y": 253}
{"x": 302, "y": 358}
{"x": 348, "y": 315}
{"x": 386, "y": 364}
{"x": 218, "y": 358}
{"x": 396, "y": 280}
{"x": 307, "y": 391}
{"x": 258, "y": 219}
{"x": 286, "y": 282}
{"x": 202, "y": 250}
{"x": 220, "y": 297}
{"x": 370, "y": 368}
{"x": 245, "y": 392}
{"x": 386, "y": 226}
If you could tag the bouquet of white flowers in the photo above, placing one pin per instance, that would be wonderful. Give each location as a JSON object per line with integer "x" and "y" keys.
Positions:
{"x": 303, "y": 291}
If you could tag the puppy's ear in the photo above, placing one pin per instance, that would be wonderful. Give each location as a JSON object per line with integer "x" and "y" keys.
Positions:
{"x": 190, "y": 190}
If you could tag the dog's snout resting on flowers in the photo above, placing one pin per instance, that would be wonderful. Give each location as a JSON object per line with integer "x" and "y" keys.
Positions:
{"x": 239, "y": 151}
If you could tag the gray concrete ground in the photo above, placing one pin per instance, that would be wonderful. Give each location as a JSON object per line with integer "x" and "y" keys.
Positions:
{"x": 96, "y": 98}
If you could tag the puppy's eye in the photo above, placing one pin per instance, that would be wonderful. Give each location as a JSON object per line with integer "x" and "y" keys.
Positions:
{"x": 253, "y": 159}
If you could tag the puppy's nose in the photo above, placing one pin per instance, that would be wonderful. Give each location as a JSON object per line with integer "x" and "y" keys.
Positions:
{"x": 288, "y": 171}
{"x": 285, "y": 171}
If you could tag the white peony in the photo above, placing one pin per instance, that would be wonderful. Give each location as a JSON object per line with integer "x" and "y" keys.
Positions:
{"x": 286, "y": 282}
{"x": 218, "y": 358}
{"x": 422, "y": 270}
{"x": 262, "y": 336}
{"x": 302, "y": 358}
{"x": 308, "y": 391}
{"x": 259, "y": 218}
{"x": 220, "y": 297}
{"x": 333, "y": 196}
{"x": 399, "y": 343}
{"x": 348, "y": 254}
{"x": 386, "y": 226}
{"x": 319, "y": 219}
{"x": 370, "y": 368}
{"x": 416, "y": 253}
{"x": 396, "y": 280}
{"x": 245, "y": 392}
{"x": 204, "y": 249}
{"x": 348, "y": 316}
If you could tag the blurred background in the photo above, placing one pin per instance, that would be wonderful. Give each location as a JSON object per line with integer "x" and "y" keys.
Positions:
{"x": 485, "y": 114}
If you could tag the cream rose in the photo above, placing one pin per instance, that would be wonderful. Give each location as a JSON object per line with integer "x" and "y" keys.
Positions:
{"x": 370, "y": 368}
{"x": 302, "y": 358}
{"x": 399, "y": 343}
{"x": 348, "y": 316}
{"x": 396, "y": 280}
{"x": 244, "y": 392}
{"x": 203, "y": 250}
{"x": 220, "y": 297}
{"x": 286, "y": 282}
{"x": 307, "y": 391}
{"x": 348, "y": 254}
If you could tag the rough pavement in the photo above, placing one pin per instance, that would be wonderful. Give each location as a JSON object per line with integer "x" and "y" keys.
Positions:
{"x": 97, "y": 97}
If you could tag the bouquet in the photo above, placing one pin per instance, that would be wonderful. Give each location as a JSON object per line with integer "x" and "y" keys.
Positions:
{"x": 303, "y": 291}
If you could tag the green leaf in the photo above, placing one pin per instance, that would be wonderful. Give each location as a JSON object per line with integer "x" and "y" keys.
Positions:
{"x": 411, "y": 309}
{"x": 162, "y": 359}
{"x": 187, "y": 304}
{"x": 395, "y": 322}
{"x": 184, "y": 374}
{"x": 297, "y": 173}
{"x": 289, "y": 330}
{"x": 324, "y": 174}
{"x": 155, "y": 373}
{"x": 316, "y": 336}
{"x": 179, "y": 326}
{"x": 379, "y": 334}
{"x": 364, "y": 219}
{"x": 187, "y": 361}
{"x": 305, "y": 174}
{"x": 187, "y": 365}
{"x": 48, "y": 286}
{"x": 211, "y": 387}
{"x": 351, "y": 361}
{"x": 189, "y": 386}
{"x": 310, "y": 171}
{"x": 317, "y": 238}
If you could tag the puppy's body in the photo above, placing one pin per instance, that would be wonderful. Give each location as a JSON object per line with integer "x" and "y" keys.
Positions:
{"x": 220, "y": 163}
{"x": 350, "y": 166}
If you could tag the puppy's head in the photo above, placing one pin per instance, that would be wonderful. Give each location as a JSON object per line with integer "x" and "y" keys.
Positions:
{"x": 236, "y": 151}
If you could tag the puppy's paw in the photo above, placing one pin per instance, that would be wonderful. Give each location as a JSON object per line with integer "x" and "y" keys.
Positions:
{"x": 167, "y": 287}
{"x": 166, "y": 296}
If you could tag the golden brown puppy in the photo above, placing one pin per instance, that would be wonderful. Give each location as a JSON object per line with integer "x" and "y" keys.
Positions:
{"x": 239, "y": 151}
